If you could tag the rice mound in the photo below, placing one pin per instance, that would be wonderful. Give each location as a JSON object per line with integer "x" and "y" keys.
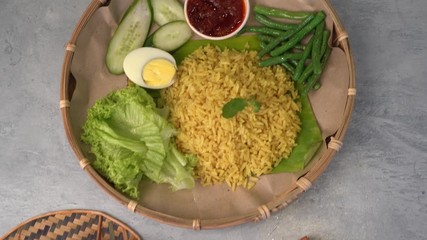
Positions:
{"x": 240, "y": 149}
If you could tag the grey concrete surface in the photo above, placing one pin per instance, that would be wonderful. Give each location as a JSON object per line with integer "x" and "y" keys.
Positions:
{"x": 375, "y": 188}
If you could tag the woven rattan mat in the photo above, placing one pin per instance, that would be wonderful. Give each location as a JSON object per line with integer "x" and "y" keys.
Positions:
{"x": 72, "y": 224}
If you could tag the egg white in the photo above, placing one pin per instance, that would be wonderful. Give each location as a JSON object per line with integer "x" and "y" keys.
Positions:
{"x": 135, "y": 61}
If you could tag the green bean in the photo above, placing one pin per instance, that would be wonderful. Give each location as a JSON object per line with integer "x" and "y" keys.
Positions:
{"x": 300, "y": 47}
{"x": 308, "y": 71}
{"x": 317, "y": 45}
{"x": 264, "y": 38}
{"x": 325, "y": 57}
{"x": 285, "y": 36}
{"x": 317, "y": 85}
{"x": 299, "y": 35}
{"x": 279, "y": 59}
{"x": 262, "y": 44}
{"x": 288, "y": 67}
{"x": 273, "y": 24}
{"x": 263, "y": 30}
{"x": 310, "y": 68}
{"x": 325, "y": 39}
{"x": 274, "y": 12}
{"x": 311, "y": 82}
{"x": 300, "y": 66}
{"x": 294, "y": 62}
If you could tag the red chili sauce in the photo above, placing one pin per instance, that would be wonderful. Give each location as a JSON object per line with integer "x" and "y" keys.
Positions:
{"x": 216, "y": 18}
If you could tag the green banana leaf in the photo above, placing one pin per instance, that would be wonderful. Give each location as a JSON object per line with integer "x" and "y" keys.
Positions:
{"x": 309, "y": 139}
{"x": 238, "y": 43}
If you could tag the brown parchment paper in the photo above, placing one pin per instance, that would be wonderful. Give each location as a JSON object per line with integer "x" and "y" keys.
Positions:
{"x": 93, "y": 81}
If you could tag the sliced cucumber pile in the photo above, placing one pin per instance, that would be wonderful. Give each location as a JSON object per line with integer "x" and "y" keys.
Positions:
{"x": 166, "y": 11}
{"x": 129, "y": 35}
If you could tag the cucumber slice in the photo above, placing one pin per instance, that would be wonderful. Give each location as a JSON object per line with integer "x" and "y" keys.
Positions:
{"x": 166, "y": 11}
{"x": 171, "y": 36}
{"x": 129, "y": 35}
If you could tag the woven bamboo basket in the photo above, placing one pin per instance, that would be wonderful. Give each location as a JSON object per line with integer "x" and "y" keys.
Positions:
{"x": 72, "y": 224}
{"x": 300, "y": 183}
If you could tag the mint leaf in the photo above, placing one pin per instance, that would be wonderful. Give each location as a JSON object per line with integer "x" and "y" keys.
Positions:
{"x": 231, "y": 108}
{"x": 235, "y": 105}
{"x": 255, "y": 104}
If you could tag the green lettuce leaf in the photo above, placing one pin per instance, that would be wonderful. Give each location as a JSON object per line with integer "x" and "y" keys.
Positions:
{"x": 130, "y": 139}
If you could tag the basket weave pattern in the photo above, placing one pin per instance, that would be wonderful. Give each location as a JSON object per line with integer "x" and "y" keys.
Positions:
{"x": 77, "y": 225}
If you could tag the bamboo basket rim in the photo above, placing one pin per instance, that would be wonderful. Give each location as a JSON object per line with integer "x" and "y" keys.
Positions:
{"x": 57, "y": 230}
{"x": 262, "y": 212}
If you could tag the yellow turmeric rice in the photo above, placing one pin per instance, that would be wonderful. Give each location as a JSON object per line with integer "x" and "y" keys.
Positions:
{"x": 240, "y": 149}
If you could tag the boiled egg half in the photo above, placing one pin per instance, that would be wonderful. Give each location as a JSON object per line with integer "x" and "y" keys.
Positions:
{"x": 150, "y": 67}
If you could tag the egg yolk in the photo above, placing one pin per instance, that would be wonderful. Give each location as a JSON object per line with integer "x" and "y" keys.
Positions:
{"x": 158, "y": 72}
